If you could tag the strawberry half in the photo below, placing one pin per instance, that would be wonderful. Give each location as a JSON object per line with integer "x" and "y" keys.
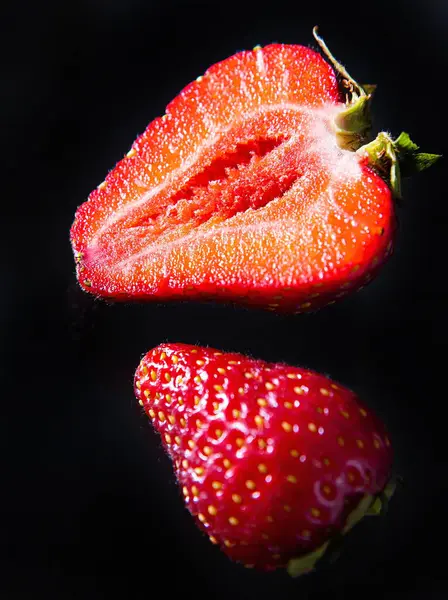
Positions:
{"x": 254, "y": 187}
{"x": 274, "y": 461}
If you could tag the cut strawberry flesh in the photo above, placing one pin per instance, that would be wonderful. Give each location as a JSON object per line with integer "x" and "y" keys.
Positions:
{"x": 253, "y": 191}
{"x": 213, "y": 191}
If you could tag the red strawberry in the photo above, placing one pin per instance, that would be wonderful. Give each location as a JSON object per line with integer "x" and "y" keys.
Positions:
{"x": 274, "y": 461}
{"x": 252, "y": 188}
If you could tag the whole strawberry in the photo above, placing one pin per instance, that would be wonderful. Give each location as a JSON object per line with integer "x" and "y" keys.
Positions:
{"x": 273, "y": 461}
{"x": 259, "y": 185}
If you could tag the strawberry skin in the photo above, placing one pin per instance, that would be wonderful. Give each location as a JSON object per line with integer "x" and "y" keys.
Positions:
{"x": 273, "y": 461}
{"x": 240, "y": 193}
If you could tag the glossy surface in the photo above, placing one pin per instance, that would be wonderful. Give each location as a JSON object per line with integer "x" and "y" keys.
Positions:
{"x": 272, "y": 460}
{"x": 240, "y": 193}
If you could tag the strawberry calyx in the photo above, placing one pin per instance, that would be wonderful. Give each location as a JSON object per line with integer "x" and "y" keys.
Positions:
{"x": 353, "y": 124}
{"x": 368, "y": 506}
{"x": 393, "y": 159}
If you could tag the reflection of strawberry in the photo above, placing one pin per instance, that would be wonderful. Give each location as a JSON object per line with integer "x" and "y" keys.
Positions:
{"x": 251, "y": 188}
{"x": 274, "y": 461}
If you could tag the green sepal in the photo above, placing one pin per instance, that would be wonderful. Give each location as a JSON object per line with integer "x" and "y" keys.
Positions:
{"x": 412, "y": 161}
{"x": 375, "y": 508}
{"x": 369, "y": 88}
{"x": 305, "y": 564}
{"x": 352, "y": 125}
{"x": 394, "y": 159}
{"x": 360, "y": 511}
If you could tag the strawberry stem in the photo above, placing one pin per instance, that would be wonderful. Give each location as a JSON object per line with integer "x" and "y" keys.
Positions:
{"x": 351, "y": 84}
{"x": 392, "y": 159}
{"x": 352, "y": 125}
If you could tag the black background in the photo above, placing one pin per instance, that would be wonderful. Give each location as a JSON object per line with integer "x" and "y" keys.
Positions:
{"x": 89, "y": 503}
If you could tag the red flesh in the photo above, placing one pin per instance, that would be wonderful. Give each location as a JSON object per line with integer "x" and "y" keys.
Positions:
{"x": 239, "y": 193}
{"x": 272, "y": 459}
